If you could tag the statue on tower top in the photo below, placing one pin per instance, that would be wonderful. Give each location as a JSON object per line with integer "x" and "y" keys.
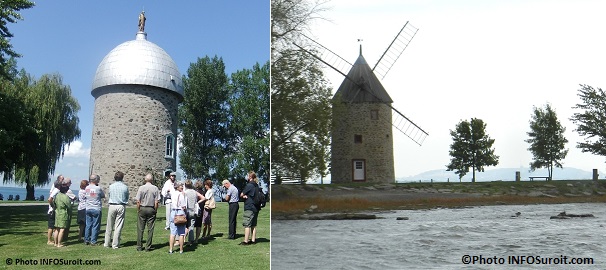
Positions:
{"x": 142, "y": 21}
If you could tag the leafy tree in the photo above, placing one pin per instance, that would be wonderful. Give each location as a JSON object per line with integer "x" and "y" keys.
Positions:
{"x": 15, "y": 121}
{"x": 590, "y": 122}
{"x": 300, "y": 96}
{"x": 471, "y": 148}
{"x": 290, "y": 18}
{"x": 546, "y": 140}
{"x": 51, "y": 113}
{"x": 249, "y": 104}
{"x": 9, "y": 13}
{"x": 300, "y": 117}
{"x": 203, "y": 116}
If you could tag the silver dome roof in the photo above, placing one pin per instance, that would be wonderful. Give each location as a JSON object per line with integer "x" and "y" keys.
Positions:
{"x": 139, "y": 62}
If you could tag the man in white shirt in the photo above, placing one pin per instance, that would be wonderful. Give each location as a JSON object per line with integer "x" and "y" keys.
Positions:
{"x": 232, "y": 198}
{"x": 167, "y": 190}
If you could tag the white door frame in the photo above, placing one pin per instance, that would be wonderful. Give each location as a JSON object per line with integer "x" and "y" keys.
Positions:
{"x": 358, "y": 170}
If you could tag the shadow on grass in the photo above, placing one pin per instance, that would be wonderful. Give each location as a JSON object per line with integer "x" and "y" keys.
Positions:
{"x": 262, "y": 240}
{"x": 159, "y": 246}
{"x": 14, "y": 214}
{"x": 128, "y": 244}
{"x": 17, "y": 220}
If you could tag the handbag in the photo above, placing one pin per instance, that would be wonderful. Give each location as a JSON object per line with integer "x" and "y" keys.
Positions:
{"x": 179, "y": 219}
{"x": 211, "y": 203}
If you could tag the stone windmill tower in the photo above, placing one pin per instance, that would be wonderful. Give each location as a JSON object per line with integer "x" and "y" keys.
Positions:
{"x": 363, "y": 116}
{"x": 362, "y": 145}
{"x": 137, "y": 89}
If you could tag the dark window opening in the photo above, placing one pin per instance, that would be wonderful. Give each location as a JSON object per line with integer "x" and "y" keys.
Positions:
{"x": 357, "y": 138}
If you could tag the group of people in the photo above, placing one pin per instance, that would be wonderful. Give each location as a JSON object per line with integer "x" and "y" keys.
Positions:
{"x": 59, "y": 211}
{"x": 61, "y": 200}
{"x": 195, "y": 202}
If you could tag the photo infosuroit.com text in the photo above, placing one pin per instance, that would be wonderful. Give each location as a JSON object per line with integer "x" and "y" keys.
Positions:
{"x": 525, "y": 260}
{"x": 50, "y": 261}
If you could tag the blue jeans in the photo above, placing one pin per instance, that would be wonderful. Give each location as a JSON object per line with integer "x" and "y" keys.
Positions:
{"x": 93, "y": 225}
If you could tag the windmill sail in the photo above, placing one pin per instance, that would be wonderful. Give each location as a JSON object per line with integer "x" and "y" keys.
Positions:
{"x": 327, "y": 57}
{"x": 394, "y": 50}
{"x": 407, "y": 127}
{"x": 336, "y": 62}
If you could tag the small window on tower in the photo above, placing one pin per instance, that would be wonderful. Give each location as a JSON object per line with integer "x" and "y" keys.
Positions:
{"x": 374, "y": 114}
{"x": 357, "y": 138}
{"x": 170, "y": 146}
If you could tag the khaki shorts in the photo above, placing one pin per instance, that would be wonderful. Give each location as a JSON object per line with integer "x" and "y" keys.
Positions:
{"x": 250, "y": 219}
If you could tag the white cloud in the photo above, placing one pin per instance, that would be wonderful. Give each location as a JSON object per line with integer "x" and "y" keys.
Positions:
{"x": 75, "y": 149}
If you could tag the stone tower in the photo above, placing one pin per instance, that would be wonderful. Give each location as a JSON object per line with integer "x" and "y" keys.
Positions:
{"x": 137, "y": 89}
{"x": 362, "y": 143}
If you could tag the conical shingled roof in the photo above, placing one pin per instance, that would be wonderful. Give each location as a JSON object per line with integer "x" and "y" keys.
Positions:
{"x": 371, "y": 91}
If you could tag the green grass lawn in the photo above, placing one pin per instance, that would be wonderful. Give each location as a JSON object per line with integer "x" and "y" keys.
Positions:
{"x": 23, "y": 236}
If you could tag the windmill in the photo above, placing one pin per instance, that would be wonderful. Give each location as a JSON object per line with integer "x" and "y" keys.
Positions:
{"x": 362, "y": 141}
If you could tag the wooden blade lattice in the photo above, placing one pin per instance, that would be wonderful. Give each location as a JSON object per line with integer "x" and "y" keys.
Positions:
{"x": 395, "y": 49}
{"x": 337, "y": 63}
{"x": 328, "y": 57}
{"x": 407, "y": 127}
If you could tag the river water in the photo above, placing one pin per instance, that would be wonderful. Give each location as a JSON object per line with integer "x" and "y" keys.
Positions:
{"x": 442, "y": 239}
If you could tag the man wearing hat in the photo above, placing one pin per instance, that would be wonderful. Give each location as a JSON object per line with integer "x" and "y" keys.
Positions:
{"x": 167, "y": 190}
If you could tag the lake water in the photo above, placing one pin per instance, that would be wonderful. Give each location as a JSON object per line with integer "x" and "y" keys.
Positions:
{"x": 442, "y": 238}
{"x": 6, "y": 191}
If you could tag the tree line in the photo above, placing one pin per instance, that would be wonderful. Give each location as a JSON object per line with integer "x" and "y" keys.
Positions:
{"x": 472, "y": 147}
{"x": 224, "y": 121}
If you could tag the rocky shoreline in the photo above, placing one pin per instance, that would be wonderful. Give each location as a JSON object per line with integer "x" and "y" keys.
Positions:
{"x": 348, "y": 201}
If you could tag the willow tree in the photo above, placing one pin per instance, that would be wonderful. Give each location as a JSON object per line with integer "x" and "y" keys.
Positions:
{"x": 16, "y": 122}
{"x": 52, "y": 112}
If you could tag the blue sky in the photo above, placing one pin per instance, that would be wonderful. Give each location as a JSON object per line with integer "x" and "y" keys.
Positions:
{"x": 492, "y": 60}
{"x": 72, "y": 37}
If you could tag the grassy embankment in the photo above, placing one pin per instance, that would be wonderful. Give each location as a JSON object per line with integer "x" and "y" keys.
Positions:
{"x": 23, "y": 236}
{"x": 296, "y": 199}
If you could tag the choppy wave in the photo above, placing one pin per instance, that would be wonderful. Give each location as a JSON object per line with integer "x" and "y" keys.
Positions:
{"x": 438, "y": 239}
